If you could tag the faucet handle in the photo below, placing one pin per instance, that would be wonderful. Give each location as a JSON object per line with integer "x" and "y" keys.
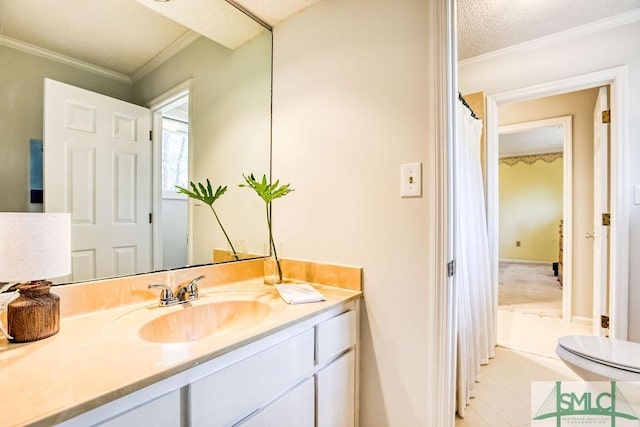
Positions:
{"x": 166, "y": 295}
{"x": 192, "y": 287}
{"x": 192, "y": 284}
{"x": 190, "y": 292}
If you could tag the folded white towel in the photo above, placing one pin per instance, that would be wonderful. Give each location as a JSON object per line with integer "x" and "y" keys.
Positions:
{"x": 299, "y": 293}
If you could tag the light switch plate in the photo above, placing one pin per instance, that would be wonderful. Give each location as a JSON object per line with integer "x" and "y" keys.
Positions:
{"x": 411, "y": 179}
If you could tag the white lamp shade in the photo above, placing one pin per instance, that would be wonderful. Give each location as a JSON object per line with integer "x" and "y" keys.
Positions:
{"x": 34, "y": 246}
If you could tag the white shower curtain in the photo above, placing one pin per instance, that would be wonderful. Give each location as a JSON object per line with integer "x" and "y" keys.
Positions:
{"x": 474, "y": 294}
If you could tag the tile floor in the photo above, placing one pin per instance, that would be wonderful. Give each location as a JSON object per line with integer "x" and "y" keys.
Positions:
{"x": 535, "y": 334}
{"x": 503, "y": 395}
{"x": 529, "y": 326}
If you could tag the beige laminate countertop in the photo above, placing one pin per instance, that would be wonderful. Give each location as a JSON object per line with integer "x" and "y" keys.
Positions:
{"x": 98, "y": 357}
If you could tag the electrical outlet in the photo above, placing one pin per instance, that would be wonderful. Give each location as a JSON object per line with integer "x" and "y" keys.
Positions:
{"x": 411, "y": 179}
{"x": 517, "y": 243}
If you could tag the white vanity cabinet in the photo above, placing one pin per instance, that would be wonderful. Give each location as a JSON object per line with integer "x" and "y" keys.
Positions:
{"x": 334, "y": 380}
{"x": 303, "y": 375}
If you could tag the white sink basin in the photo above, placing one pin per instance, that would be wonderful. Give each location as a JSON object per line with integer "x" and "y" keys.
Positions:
{"x": 195, "y": 322}
{"x": 214, "y": 314}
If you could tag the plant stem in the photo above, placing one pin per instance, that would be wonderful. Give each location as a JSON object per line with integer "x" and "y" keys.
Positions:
{"x": 225, "y": 233}
{"x": 273, "y": 244}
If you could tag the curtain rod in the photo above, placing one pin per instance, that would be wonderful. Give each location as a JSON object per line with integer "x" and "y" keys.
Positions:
{"x": 464, "y": 102}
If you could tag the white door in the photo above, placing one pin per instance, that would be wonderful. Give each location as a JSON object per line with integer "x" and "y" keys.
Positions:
{"x": 600, "y": 206}
{"x": 97, "y": 166}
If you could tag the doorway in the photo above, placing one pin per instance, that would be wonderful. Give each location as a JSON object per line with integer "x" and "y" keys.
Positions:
{"x": 535, "y": 195}
{"x": 617, "y": 307}
{"x": 536, "y": 187}
{"x": 171, "y": 123}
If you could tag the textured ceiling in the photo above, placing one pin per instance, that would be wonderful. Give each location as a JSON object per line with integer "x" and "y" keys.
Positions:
{"x": 488, "y": 25}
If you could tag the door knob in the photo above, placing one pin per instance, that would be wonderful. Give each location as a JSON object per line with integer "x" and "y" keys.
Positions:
{"x": 590, "y": 236}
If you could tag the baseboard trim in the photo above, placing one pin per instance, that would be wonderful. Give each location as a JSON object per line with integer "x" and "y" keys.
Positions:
{"x": 524, "y": 261}
{"x": 581, "y": 319}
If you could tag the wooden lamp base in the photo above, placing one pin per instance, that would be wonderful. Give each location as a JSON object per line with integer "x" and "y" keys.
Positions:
{"x": 35, "y": 314}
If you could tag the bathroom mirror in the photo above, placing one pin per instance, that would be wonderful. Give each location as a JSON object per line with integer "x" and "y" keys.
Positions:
{"x": 226, "y": 114}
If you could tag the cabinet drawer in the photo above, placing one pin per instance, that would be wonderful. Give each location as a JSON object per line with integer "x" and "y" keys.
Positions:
{"x": 235, "y": 392}
{"x": 163, "y": 411}
{"x": 294, "y": 409}
{"x": 335, "y": 336}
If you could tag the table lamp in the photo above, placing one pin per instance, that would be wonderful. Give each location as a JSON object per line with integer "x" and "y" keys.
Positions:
{"x": 34, "y": 247}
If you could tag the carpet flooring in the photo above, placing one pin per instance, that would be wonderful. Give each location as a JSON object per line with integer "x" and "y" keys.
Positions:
{"x": 529, "y": 288}
{"x": 530, "y": 310}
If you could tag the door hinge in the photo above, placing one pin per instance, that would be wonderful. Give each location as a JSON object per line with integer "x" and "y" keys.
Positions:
{"x": 604, "y": 322}
{"x": 150, "y": 218}
{"x": 606, "y": 116}
{"x": 606, "y": 219}
{"x": 451, "y": 268}
{"x": 150, "y": 135}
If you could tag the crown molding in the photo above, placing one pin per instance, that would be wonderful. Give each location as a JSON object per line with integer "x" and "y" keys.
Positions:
{"x": 183, "y": 41}
{"x": 63, "y": 59}
{"x": 560, "y": 37}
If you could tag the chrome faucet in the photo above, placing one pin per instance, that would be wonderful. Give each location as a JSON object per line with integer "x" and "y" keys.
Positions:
{"x": 189, "y": 292}
{"x": 184, "y": 293}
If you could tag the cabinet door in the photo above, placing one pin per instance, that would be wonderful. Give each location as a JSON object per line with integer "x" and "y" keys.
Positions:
{"x": 336, "y": 393}
{"x": 294, "y": 409}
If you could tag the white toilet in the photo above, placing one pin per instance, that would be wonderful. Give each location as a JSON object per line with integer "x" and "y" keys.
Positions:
{"x": 599, "y": 358}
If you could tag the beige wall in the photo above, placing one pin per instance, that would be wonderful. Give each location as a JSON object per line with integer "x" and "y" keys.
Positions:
{"x": 530, "y": 210}
{"x": 21, "y": 114}
{"x": 353, "y": 99}
{"x": 230, "y": 133}
{"x": 579, "y": 105}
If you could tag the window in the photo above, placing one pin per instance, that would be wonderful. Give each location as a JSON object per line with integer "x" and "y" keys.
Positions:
{"x": 175, "y": 155}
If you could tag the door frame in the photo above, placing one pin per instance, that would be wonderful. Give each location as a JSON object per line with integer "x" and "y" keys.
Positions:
{"x": 157, "y": 105}
{"x": 567, "y": 197}
{"x": 443, "y": 304}
{"x": 600, "y": 237}
{"x": 617, "y": 79}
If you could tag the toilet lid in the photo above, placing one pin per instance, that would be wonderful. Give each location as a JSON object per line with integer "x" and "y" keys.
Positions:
{"x": 608, "y": 351}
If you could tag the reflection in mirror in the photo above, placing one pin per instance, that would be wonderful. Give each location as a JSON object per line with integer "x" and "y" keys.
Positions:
{"x": 175, "y": 172}
{"x": 218, "y": 128}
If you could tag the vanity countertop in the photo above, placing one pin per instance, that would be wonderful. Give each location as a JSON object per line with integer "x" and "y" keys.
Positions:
{"x": 96, "y": 358}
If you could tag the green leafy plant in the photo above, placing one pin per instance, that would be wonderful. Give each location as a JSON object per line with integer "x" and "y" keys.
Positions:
{"x": 207, "y": 196}
{"x": 268, "y": 193}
